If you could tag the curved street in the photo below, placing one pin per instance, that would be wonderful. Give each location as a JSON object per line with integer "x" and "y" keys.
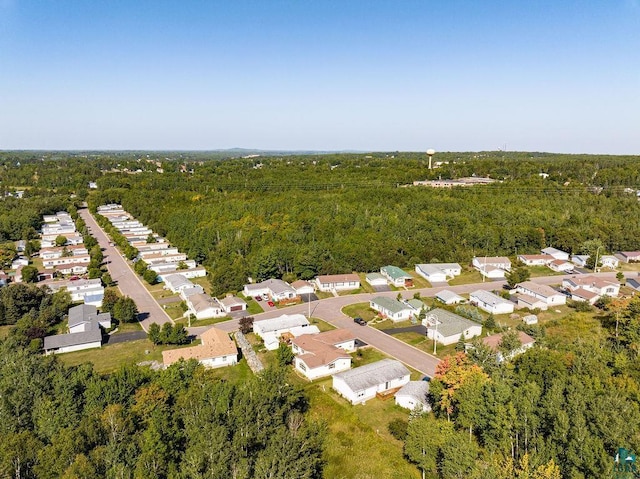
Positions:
{"x": 329, "y": 309}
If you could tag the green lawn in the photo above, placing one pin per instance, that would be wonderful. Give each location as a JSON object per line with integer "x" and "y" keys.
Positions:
{"x": 359, "y": 309}
{"x": 542, "y": 271}
{"x": 110, "y": 357}
{"x": 469, "y": 275}
{"x": 351, "y": 291}
{"x": 322, "y": 325}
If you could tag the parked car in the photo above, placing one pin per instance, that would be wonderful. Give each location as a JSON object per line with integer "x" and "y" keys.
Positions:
{"x": 271, "y": 304}
{"x": 360, "y": 321}
{"x": 258, "y": 298}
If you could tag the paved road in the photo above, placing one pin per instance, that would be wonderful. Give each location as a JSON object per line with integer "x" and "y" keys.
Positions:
{"x": 128, "y": 282}
{"x": 330, "y": 310}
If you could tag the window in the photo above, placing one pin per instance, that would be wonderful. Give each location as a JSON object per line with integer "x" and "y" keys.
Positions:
{"x": 302, "y": 366}
{"x": 332, "y": 366}
{"x": 224, "y": 359}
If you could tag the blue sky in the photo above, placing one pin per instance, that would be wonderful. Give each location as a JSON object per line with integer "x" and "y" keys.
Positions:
{"x": 454, "y": 75}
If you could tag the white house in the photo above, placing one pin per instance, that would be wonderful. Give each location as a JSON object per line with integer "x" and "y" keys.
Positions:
{"x": 449, "y": 297}
{"x": 275, "y": 289}
{"x": 375, "y": 279}
{"x": 391, "y": 308}
{"x": 560, "y": 265}
{"x": 609, "y": 261}
{"x": 217, "y": 350}
{"x": 448, "y": 328}
{"x": 187, "y": 292}
{"x": 363, "y": 383}
{"x": 542, "y": 292}
{"x": 556, "y": 253}
{"x": 396, "y": 276}
{"x": 323, "y": 354}
{"x": 66, "y": 260}
{"x": 85, "y": 333}
{"x": 337, "y": 282}
{"x": 83, "y": 317}
{"x": 491, "y": 303}
{"x": 438, "y": 272}
{"x": 232, "y": 304}
{"x": 501, "y": 262}
{"x": 203, "y": 306}
{"x": 414, "y": 396}
{"x": 492, "y": 267}
{"x": 303, "y": 288}
{"x": 66, "y": 343}
{"x": 590, "y": 288}
{"x": 580, "y": 260}
{"x": 270, "y": 330}
{"x": 176, "y": 283}
{"x": 535, "y": 259}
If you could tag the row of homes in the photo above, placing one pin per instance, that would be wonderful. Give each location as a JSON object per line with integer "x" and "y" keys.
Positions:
{"x": 155, "y": 251}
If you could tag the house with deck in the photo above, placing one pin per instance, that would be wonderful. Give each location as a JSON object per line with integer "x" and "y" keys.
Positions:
{"x": 490, "y": 302}
{"x": 216, "y": 350}
{"x": 391, "y": 308}
{"x": 360, "y": 384}
{"x": 396, "y": 276}
{"x": 270, "y": 330}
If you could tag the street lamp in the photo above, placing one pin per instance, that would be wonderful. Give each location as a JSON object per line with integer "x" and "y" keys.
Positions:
{"x": 595, "y": 265}
{"x": 432, "y": 318}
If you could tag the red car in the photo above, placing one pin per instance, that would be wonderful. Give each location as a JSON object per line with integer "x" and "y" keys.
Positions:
{"x": 270, "y": 303}
{"x": 258, "y": 298}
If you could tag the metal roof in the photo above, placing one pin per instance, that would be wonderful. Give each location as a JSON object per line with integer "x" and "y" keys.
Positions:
{"x": 370, "y": 375}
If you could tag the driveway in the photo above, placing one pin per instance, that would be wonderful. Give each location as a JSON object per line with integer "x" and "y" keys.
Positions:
{"x": 128, "y": 282}
{"x": 418, "y": 328}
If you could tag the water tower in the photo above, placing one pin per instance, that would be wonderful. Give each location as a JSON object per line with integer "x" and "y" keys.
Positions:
{"x": 430, "y": 153}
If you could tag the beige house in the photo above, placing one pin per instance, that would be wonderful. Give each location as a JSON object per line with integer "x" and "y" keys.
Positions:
{"x": 217, "y": 350}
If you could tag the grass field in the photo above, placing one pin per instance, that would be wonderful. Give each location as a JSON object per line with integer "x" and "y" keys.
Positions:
{"x": 109, "y": 358}
{"x": 359, "y": 309}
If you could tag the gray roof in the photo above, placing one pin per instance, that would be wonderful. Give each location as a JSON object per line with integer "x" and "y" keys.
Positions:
{"x": 177, "y": 280}
{"x": 73, "y": 339}
{"x": 415, "y": 389}
{"x": 86, "y": 313}
{"x": 276, "y": 286}
{"x": 282, "y": 322}
{"x": 449, "y": 323}
{"x": 446, "y": 295}
{"x": 369, "y": 375}
{"x": 489, "y": 298}
{"x": 390, "y": 304}
{"x": 374, "y": 276}
{"x": 82, "y": 313}
{"x": 416, "y": 304}
{"x": 437, "y": 268}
